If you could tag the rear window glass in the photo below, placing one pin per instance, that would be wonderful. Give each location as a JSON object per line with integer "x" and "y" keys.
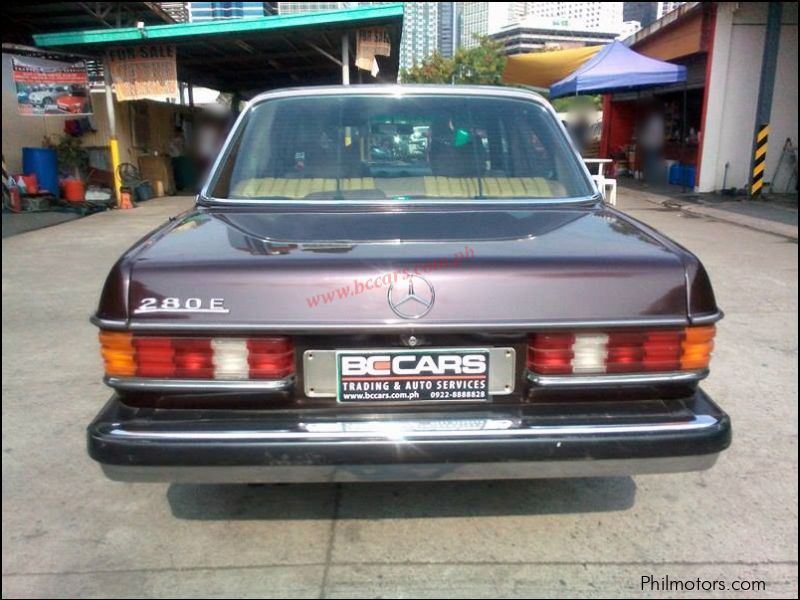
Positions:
{"x": 353, "y": 147}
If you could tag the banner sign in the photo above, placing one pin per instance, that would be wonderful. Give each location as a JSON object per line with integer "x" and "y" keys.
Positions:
{"x": 371, "y": 43}
{"x": 49, "y": 87}
{"x": 148, "y": 71}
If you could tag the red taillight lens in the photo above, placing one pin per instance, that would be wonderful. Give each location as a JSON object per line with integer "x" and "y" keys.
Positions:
{"x": 194, "y": 358}
{"x": 270, "y": 358}
{"x": 128, "y": 355}
{"x": 628, "y": 351}
{"x": 550, "y": 353}
{"x": 154, "y": 357}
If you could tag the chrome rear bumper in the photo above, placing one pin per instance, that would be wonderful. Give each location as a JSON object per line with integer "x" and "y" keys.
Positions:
{"x": 410, "y": 472}
{"x": 490, "y": 443}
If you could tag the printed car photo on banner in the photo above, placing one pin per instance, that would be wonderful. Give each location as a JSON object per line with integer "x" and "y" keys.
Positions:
{"x": 140, "y": 72}
{"x": 49, "y": 87}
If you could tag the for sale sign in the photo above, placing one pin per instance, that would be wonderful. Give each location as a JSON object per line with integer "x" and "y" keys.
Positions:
{"x": 49, "y": 87}
{"x": 144, "y": 71}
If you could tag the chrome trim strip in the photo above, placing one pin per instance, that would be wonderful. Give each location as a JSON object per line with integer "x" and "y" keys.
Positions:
{"x": 115, "y": 324}
{"x": 141, "y": 384}
{"x": 391, "y": 432}
{"x": 298, "y": 327}
{"x": 144, "y": 311}
{"x": 707, "y": 319}
{"x": 616, "y": 378}
{"x": 412, "y": 472}
{"x": 392, "y": 90}
{"x": 209, "y": 201}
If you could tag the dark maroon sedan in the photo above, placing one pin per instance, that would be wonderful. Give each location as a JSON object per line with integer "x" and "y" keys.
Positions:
{"x": 400, "y": 283}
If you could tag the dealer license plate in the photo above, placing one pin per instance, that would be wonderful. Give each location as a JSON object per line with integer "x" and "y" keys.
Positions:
{"x": 412, "y": 375}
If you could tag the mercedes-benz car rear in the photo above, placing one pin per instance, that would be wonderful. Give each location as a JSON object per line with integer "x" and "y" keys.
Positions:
{"x": 403, "y": 282}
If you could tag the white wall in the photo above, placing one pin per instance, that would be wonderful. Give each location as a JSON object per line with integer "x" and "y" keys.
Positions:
{"x": 20, "y": 131}
{"x": 733, "y": 93}
{"x": 783, "y": 122}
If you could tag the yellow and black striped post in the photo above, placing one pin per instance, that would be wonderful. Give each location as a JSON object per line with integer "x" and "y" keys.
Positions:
{"x": 759, "y": 160}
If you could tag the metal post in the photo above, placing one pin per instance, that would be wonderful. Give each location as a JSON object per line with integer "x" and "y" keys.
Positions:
{"x": 769, "y": 61}
{"x": 190, "y": 89}
{"x": 113, "y": 145}
{"x": 683, "y": 137}
{"x": 345, "y": 60}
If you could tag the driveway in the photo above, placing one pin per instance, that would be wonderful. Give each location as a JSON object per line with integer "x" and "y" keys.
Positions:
{"x": 68, "y": 532}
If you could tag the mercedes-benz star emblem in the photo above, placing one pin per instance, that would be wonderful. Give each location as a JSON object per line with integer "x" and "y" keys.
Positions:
{"x": 411, "y": 298}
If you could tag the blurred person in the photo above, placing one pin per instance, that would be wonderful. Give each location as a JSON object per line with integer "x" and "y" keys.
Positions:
{"x": 651, "y": 141}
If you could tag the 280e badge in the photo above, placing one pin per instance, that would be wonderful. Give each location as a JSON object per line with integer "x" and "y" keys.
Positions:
{"x": 173, "y": 304}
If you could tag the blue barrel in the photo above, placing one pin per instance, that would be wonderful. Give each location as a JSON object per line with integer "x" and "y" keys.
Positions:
{"x": 43, "y": 162}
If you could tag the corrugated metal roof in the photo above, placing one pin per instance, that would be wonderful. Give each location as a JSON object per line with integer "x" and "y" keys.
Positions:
{"x": 176, "y": 32}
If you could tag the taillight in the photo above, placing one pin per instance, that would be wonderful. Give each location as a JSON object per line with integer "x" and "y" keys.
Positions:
{"x": 625, "y": 351}
{"x": 117, "y": 350}
{"x": 162, "y": 357}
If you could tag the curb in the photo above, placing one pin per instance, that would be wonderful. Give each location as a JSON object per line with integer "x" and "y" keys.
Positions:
{"x": 763, "y": 225}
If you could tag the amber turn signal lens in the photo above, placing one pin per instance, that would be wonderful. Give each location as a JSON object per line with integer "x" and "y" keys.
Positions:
{"x": 118, "y": 353}
{"x": 697, "y": 346}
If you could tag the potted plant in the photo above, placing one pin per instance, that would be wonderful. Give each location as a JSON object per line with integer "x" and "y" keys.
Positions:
{"x": 72, "y": 156}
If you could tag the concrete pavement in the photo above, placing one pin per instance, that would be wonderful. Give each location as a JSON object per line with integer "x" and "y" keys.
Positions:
{"x": 69, "y": 532}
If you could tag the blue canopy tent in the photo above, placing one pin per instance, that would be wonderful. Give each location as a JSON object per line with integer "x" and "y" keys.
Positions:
{"x": 617, "y": 68}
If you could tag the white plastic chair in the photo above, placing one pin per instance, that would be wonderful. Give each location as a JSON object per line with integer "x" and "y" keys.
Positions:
{"x": 607, "y": 187}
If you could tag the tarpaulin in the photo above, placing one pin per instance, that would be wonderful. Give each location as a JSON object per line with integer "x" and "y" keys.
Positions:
{"x": 542, "y": 69}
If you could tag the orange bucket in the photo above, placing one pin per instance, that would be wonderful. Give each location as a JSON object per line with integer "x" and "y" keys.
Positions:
{"x": 125, "y": 200}
{"x": 73, "y": 190}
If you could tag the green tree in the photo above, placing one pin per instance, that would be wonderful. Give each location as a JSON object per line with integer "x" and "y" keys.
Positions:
{"x": 570, "y": 103}
{"x": 434, "y": 69}
{"x": 480, "y": 65}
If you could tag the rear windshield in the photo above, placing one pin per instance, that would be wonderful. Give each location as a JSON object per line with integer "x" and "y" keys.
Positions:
{"x": 399, "y": 148}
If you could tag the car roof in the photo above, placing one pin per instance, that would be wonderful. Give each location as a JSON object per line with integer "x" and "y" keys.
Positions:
{"x": 401, "y": 90}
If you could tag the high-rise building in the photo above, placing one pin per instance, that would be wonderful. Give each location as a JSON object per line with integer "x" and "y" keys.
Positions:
{"x": 480, "y": 19}
{"x": 644, "y": 12}
{"x": 287, "y": 8}
{"x": 597, "y": 16}
{"x": 216, "y": 11}
{"x": 533, "y": 34}
{"x": 448, "y": 28}
{"x": 420, "y": 32}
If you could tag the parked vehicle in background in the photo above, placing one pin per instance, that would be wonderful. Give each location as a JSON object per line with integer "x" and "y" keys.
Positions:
{"x": 75, "y": 102}
{"x": 402, "y": 282}
{"x": 47, "y": 96}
